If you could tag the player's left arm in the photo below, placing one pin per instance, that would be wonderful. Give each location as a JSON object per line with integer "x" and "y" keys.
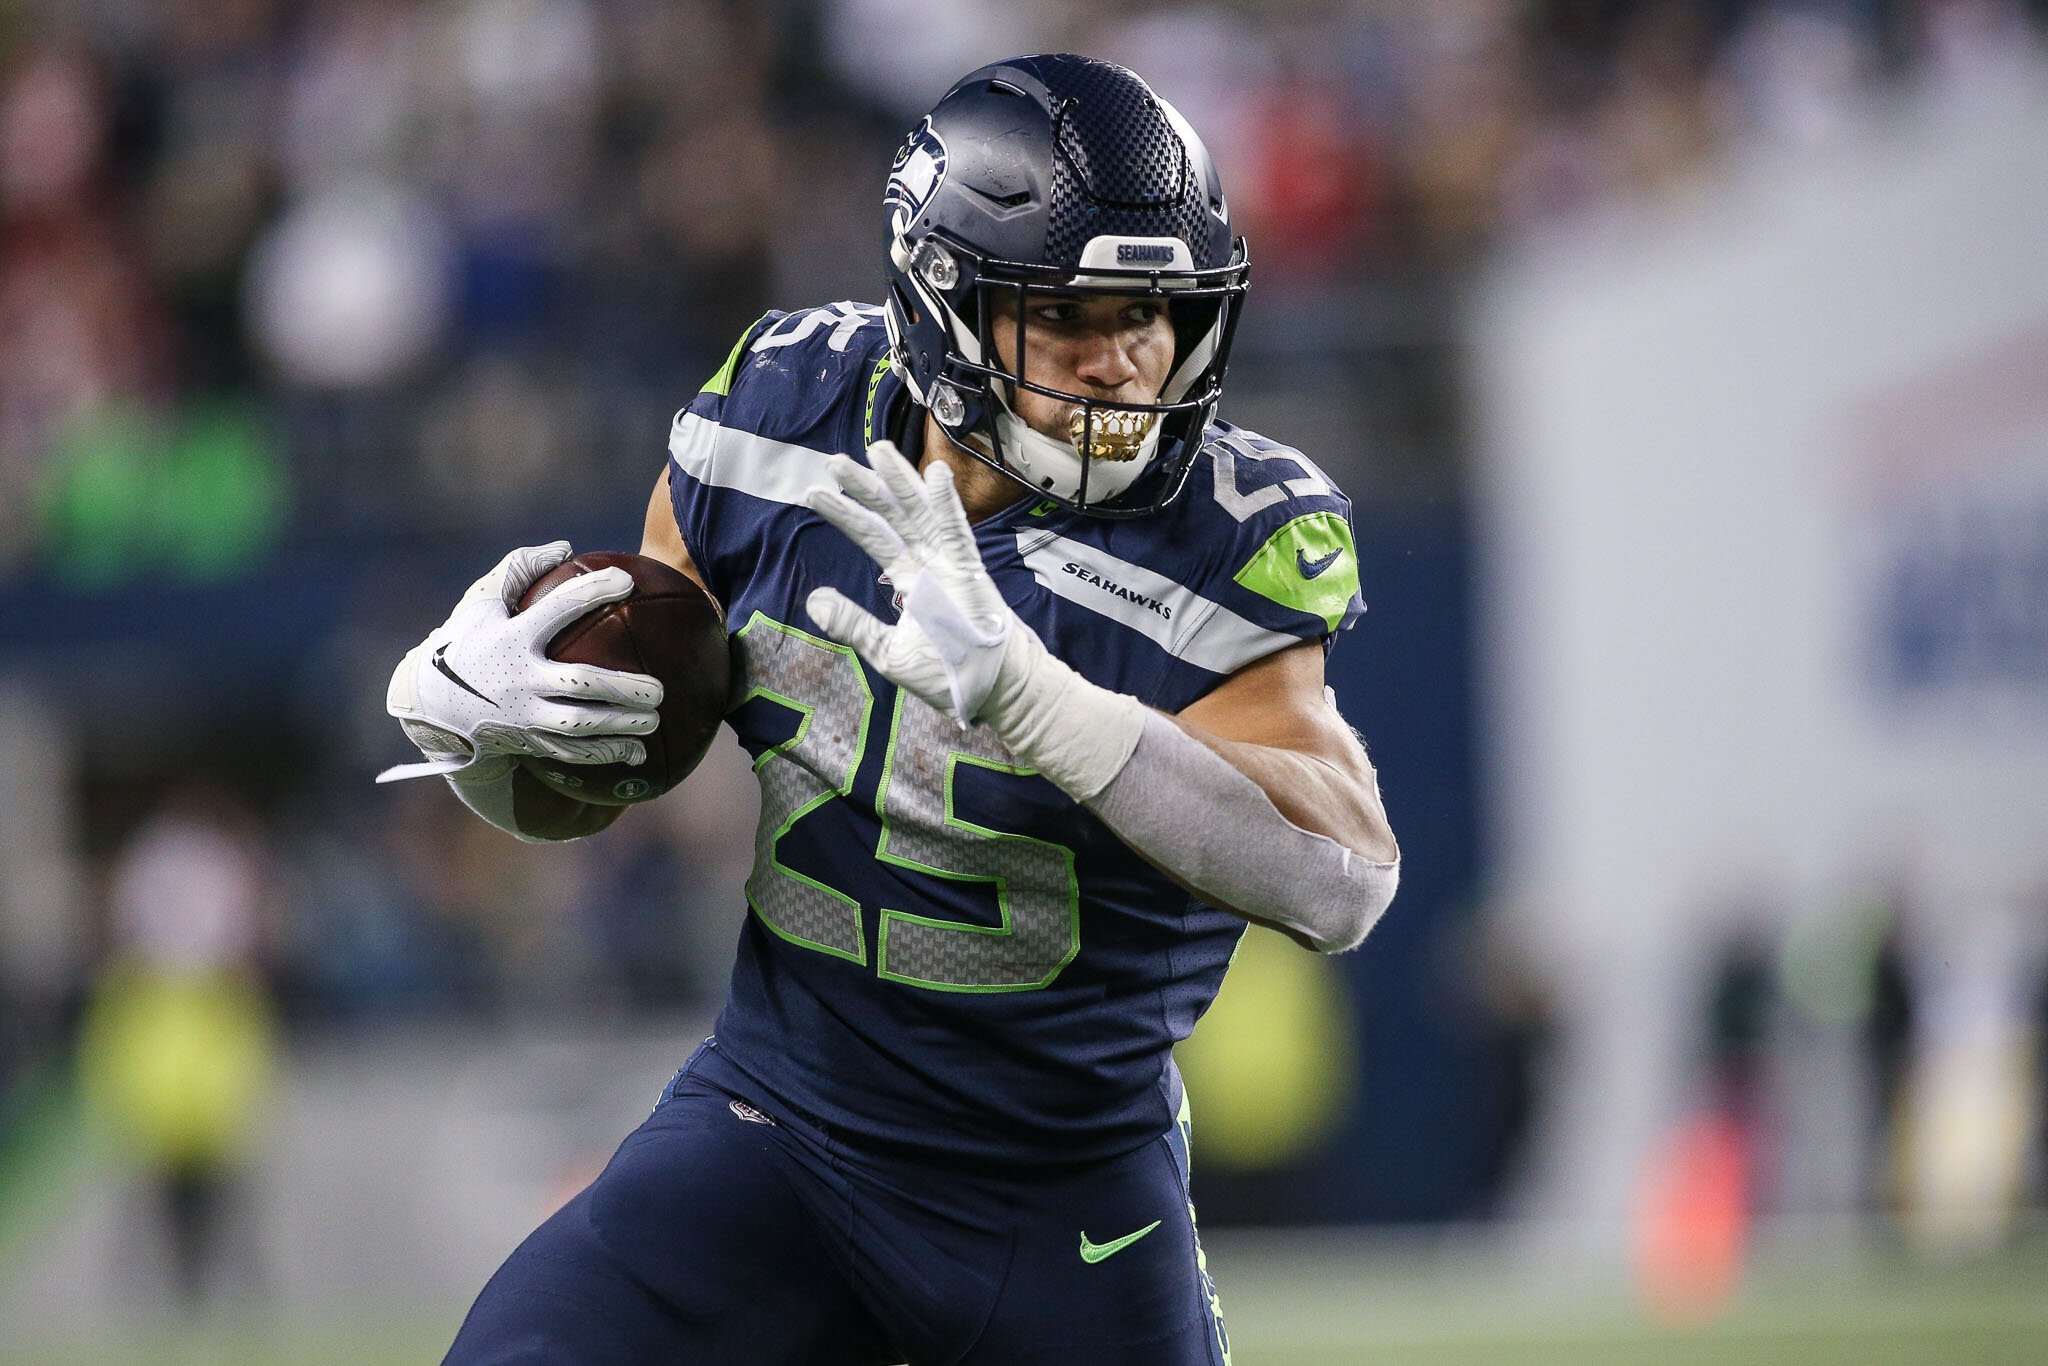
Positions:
{"x": 1275, "y": 722}
{"x": 1294, "y": 793}
{"x": 1258, "y": 798}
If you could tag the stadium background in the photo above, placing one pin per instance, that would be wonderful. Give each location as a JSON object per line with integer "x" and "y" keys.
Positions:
{"x": 308, "y": 310}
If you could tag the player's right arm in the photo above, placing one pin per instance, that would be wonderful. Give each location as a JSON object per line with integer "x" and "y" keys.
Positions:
{"x": 474, "y": 735}
{"x": 662, "y": 539}
{"x": 544, "y": 813}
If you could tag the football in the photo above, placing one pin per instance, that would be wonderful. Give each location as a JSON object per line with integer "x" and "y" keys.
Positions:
{"x": 669, "y": 628}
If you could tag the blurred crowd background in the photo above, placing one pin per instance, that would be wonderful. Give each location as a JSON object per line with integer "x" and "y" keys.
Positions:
{"x": 310, "y": 308}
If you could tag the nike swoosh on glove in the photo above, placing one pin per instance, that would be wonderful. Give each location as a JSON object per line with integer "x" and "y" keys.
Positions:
{"x": 481, "y": 686}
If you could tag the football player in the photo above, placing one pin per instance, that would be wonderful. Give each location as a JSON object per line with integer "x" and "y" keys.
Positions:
{"x": 1031, "y": 663}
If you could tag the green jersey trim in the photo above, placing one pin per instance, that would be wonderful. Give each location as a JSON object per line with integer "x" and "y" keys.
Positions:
{"x": 1310, "y": 565}
{"x": 721, "y": 383}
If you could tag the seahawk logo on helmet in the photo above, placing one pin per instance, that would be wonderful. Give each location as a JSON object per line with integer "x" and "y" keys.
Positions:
{"x": 919, "y": 167}
{"x": 1060, "y": 175}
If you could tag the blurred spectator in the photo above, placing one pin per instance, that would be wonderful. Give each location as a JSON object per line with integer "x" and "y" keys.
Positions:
{"x": 497, "y": 916}
{"x": 129, "y": 492}
{"x": 43, "y": 939}
{"x": 1700, "y": 1191}
{"x": 200, "y": 156}
{"x": 375, "y": 220}
{"x": 1663, "y": 120}
{"x": 349, "y": 287}
{"x": 713, "y": 189}
{"x": 902, "y": 54}
{"x": 1316, "y": 184}
{"x": 177, "y": 1047}
{"x": 1468, "y": 104}
{"x": 1971, "y": 1102}
{"x": 79, "y": 331}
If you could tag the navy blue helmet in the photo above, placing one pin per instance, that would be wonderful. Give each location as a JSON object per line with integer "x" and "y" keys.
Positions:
{"x": 1060, "y": 175}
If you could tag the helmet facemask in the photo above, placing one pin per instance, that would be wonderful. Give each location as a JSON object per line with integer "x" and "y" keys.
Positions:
{"x": 1109, "y": 448}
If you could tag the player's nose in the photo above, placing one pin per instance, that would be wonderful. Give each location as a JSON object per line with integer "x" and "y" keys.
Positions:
{"x": 1104, "y": 360}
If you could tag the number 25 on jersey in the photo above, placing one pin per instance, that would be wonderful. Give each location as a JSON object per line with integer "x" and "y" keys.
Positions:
{"x": 1034, "y": 882}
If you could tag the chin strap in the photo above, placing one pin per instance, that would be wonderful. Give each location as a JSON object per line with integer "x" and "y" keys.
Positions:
{"x": 1036, "y": 458}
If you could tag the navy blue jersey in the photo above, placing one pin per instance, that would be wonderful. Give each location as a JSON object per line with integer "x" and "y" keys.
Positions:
{"x": 946, "y": 954}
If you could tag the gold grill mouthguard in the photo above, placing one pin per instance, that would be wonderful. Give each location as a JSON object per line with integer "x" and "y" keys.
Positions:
{"x": 1114, "y": 435}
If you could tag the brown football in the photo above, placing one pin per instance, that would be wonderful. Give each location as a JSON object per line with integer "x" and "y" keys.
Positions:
{"x": 669, "y": 628}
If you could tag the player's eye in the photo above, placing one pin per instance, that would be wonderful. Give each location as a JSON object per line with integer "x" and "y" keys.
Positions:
{"x": 1056, "y": 313}
{"x": 1144, "y": 312}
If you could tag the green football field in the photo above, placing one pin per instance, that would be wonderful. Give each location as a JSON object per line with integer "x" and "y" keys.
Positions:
{"x": 1319, "y": 1307}
{"x": 1326, "y": 1301}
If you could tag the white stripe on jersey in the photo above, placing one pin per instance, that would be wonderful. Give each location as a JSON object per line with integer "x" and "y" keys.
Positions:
{"x": 1175, "y": 617}
{"x": 728, "y": 458}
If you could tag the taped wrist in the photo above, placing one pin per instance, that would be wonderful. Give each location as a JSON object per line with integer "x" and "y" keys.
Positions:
{"x": 1075, "y": 733}
{"x": 1185, "y": 807}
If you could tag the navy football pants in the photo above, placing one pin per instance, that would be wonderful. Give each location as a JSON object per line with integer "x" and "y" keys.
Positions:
{"x": 717, "y": 1236}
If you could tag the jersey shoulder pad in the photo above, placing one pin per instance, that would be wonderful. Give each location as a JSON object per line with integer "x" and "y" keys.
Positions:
{"x": 792, "y": 391}
{"x": 792, "y": 376}
{"x": 1285, "y": 553}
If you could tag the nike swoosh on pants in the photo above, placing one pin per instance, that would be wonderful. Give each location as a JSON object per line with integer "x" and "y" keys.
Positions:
{"x": 1095, "y": 1252}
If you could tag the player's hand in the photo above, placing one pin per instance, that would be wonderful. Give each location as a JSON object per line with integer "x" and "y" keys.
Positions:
{"x": 480, "y": 689}
{"x": 949, "y": 645}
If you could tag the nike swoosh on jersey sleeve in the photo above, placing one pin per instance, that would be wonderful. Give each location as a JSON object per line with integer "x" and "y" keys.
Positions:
{"x": 1309, "y": 564}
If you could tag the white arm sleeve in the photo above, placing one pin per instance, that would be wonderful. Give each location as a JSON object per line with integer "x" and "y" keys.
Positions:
{"x": 1182, "y": 805}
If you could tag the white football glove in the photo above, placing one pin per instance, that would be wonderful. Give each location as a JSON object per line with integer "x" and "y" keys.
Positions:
{"x": 480, "y": 689}
{"x": 958, "y": 645}
{"x": 955, "y": 628}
